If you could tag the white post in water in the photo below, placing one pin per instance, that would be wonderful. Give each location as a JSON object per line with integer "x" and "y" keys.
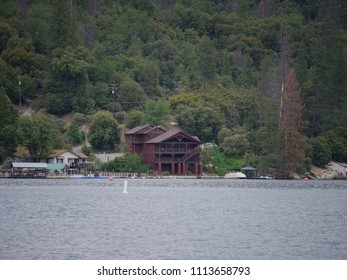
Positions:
{"x": 125, "y": 189}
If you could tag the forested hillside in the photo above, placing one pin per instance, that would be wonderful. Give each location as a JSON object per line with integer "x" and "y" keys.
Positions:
{"x": 264, "y": 80}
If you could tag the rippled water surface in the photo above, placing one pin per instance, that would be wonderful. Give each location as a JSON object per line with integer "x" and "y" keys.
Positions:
{"x": 172, "y": 219}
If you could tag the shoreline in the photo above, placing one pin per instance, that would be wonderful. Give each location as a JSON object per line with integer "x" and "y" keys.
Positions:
{"x": 332, "y": 171}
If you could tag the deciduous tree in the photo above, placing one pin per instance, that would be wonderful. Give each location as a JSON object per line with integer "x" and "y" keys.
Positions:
{"x": 37, "y": 134}
{"x": 131, "y": 95}
{"x": 73, "y": 135}
{"x": 157, "y": 112}
{"x": 200, "y": 119}
{"x": 233, "y": 142}
{"x": 104, "y": 132}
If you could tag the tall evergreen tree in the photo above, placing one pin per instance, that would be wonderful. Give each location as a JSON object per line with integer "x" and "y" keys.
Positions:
{"x": 207, "y": 59}
{"x": 8, "y": 120}
{"x": 291, "y": 125}
{"x": 63, "y": 24}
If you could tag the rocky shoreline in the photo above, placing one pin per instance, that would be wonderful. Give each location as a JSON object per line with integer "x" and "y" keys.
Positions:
{"x": 333, "y": 170}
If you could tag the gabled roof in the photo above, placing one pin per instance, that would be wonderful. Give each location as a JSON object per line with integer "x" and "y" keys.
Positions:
{"x": 143, "y": 129}
{"x": 57, "y": 153}
{"x": 80, "y": 155}
{"x": 139, "y": 129}
{"x": 170, "y": 134}
{"x": 156, "y": 127}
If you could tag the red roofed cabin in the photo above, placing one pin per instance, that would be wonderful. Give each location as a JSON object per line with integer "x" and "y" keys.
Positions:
{"x": 174, "y": 151}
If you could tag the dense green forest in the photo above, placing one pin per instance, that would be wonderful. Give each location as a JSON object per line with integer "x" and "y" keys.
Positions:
{"x": 265, "y": 80}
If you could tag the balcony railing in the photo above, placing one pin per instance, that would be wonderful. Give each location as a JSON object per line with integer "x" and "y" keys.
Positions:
{"x": 78, "y": 165}
{"x": 173, "y": 160}
{"x": 171, "y": 150}
{"x": 187, "y": 158}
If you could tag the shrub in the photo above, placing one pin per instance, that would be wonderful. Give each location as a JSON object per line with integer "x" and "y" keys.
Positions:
{"x": 321, "y": 152}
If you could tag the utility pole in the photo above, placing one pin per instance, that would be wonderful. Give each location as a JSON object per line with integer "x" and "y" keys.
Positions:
{"x": 19, "y": 93}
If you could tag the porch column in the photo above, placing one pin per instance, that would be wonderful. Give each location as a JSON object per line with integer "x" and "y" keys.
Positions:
{"x": 159, "y": 168}
{"x": 185, "y": 168}
{"x": 173, "y": 168}
{"x": 196, "y": 169}
{"x": 179, "y": 169}
{"x": 200, "y": 169}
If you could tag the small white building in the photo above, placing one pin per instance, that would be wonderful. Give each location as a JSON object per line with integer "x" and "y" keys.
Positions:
{"x": 103, "y": 158}
{"x": 66, "y": 157}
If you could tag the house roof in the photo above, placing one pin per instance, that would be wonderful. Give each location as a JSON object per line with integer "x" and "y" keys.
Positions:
{"x": 138, "y": 129}
{"x": 248, "y": 168}
{"x": 56, "y": 166}
{"x": 170, "y": 134}
{"x": 29, "y": 165}
{"x": 57, "y": 153}
{"x": 80, "y": 155}
{"x": 143, "y": 129}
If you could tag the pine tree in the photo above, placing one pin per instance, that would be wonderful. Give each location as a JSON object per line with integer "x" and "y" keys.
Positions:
{"x": 8, "y": 133}
{"x": 291, "y": 125}
{"x": 63, "y": 24}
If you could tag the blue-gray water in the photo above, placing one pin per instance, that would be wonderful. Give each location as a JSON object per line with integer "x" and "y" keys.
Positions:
{"x": 173, "y": 219}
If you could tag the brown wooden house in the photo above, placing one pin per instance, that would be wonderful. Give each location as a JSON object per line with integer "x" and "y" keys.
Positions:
{"x": 174, "y": 151}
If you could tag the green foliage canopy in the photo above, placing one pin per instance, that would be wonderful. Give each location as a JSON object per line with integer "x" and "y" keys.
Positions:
{"x": 218, "y": 63}
{"x": 321, "y": 152}
{"x": 104, "y": 132}
{"x": 73, "y": 135}
{"x": 37, "y": 134}
{"x": 128, "y": 163}
{"x": 200, "y": 119}
{"x": 233, "y": 142}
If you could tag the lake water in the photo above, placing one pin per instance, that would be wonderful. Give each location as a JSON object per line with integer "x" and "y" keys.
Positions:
{"x": 173, "y": 219}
